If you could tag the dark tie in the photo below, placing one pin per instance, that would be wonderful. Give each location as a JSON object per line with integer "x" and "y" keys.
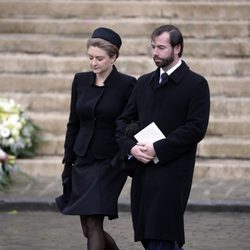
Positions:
{"x": 164, "y": 78}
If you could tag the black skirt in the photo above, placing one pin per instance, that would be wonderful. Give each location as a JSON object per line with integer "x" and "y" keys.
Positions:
{"x": 94, "y": 189}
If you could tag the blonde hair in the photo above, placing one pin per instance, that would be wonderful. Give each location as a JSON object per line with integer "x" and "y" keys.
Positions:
{"x": 111, "y": 49}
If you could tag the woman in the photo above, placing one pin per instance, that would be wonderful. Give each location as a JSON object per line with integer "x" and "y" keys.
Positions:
{"x": 91, "y": 184}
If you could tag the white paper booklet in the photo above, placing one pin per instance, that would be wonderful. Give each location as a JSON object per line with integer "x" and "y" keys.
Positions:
{"x": 151, "y": 133}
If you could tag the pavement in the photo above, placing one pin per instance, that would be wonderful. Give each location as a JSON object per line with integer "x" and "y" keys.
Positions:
{"x": 49, "y": 230}
{"x": 217, "y": 217}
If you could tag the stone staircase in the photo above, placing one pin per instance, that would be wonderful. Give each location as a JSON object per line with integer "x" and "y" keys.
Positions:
{"x": 42, "y": 45}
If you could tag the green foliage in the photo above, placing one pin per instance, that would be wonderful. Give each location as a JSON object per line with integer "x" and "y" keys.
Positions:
{"x": 5, "y": 180}
{"x": 5, "y": 168}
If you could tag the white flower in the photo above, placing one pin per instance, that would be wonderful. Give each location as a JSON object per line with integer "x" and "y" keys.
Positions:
{"x": 11, "y": 141}
{"x": 14, "y": 118}
{"x": 17, "y": 132}
{"x": 4, "y": 132}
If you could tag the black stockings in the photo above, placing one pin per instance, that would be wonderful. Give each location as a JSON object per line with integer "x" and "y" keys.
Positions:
{"x": 97, "y": 238}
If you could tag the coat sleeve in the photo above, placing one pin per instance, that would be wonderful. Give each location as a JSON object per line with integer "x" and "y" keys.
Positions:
{"x": 128, "y": 115}
{"x": 72, "y": 126}
{"x": 186, "y": 137}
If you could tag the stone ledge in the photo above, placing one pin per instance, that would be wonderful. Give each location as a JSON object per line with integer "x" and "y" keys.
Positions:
{"x": 192, "y": 206}
{"x": 221, "y": 107}
{"x": 177, "y": 10}
{"x": 129, "y": 27}
{"x": 41, "y": 64}
{"x": 226, "y": 169}
{"x": 63, "y": 45}
{"x": 220, "y": 86}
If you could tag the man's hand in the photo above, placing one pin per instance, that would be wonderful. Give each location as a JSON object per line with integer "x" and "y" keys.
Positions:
{"x": 143, "y": 152}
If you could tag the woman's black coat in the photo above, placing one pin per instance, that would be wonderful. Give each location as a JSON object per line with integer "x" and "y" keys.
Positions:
{"x": 160, "y": 191}
{"x": 90, "y": 130}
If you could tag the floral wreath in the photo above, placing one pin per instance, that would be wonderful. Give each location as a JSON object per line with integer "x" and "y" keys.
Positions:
{"x": 19, "y": 137}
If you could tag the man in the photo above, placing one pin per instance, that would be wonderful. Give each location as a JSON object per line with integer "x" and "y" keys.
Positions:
{"x": 179, "y": 105}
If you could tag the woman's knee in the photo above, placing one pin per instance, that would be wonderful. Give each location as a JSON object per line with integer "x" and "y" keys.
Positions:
{"x": 94, "y": 223}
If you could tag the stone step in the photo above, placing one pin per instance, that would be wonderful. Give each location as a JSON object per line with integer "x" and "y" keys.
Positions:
{"x": 55, "y": 123}
{"x": 51, "y": 166}
{"x": 51, "y": 145}
{"x": 42, "y": 83}
{"x": 126, "y": 27}
{"x": 38, "y": 83}
{"x": 213, "y": 147}
{"x": 46, "y": 166}
{"x": 225, "y": 147}
{"x": 230, "y": 107}
{"x": 221, "y": 107}
{"x": 196, "y": 1}
{"x": 99, "y": 9}
{"x": 226, "y": 169}
{"x": 51, "y": 122}
{"x": 44, "y": 102}
{"x": 229, "y": 86}
{"x": 229, "y": 126}
{"x": 37, "y": 63}
{"x": 63, "y": 45}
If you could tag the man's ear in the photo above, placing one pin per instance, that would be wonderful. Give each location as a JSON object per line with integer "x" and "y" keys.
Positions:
{"x": 177, "y": 49}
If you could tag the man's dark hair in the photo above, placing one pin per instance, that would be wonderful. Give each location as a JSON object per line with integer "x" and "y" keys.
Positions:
{"x": 175, "y": 36}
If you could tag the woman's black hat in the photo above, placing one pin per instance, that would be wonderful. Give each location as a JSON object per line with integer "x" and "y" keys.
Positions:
{"x": 108, "y": 35}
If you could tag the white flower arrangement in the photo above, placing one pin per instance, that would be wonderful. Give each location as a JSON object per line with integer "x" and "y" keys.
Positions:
{"x": 18, "y": 135}
{"x": 19, "y": 138}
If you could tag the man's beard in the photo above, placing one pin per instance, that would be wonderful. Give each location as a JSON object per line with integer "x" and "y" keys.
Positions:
{"x": 164, "y": 62}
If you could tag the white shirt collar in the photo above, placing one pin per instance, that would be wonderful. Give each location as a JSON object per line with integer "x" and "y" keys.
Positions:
{"x": 170, "y": 71}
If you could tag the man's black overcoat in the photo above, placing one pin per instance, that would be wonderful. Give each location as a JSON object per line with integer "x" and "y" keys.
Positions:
{"x": 160, "y": 191}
